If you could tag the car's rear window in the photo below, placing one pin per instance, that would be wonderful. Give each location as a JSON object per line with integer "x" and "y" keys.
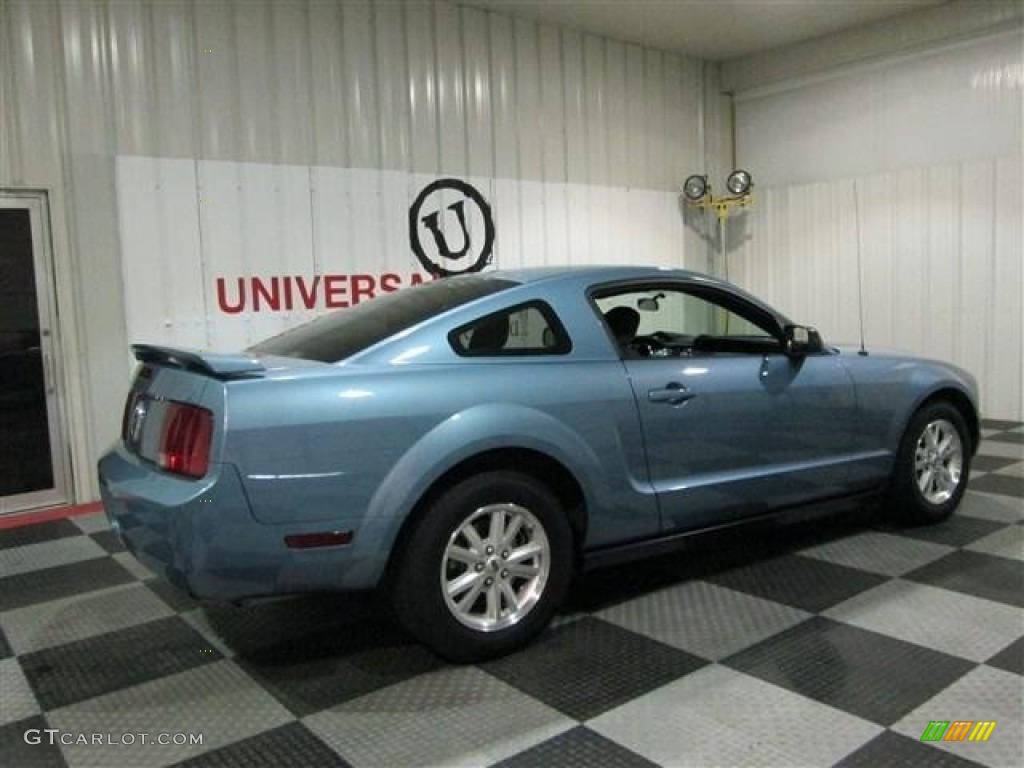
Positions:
{"x": 341, "y": 334}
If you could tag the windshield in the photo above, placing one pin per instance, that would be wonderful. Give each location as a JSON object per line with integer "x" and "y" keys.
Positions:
{"x": 339, "y": 335}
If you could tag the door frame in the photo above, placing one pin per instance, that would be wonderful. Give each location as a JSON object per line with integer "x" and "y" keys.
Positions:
{"x": 36, "y": 202}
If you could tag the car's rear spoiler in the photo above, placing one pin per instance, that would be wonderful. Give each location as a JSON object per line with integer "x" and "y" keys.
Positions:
{"x": 219, "y": 365}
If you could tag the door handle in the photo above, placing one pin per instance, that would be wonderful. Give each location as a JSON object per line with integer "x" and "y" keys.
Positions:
{"x": 673, "y": 394}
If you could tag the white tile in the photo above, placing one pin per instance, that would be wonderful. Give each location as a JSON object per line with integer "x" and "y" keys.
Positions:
{"x": 48, "y": 554}
{"x": 1008, "y": 542}
{"x": 962, "y": 625}
{"x": 879, "y": 552}
{"x": 704, "y": 619}
{"x": 452, "y": 717}
{"x": 86, "y": 615}
{"x": 992, "y": 506}
{"x": 198, "y": 619}
{"x": 133, "y": 566}
{"x": 717, "y": 716}
{"x": 1011, "y": 470}
{"x": 1006, "y": 450}
{"x": 94, "y": 523}
{"x": 217, "y": 702}
{"x": 16, "y": 698}
{"x": 984, "y": 693}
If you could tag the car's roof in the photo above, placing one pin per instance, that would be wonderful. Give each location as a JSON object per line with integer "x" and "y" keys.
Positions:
{"x": 577, "y": 275}
{"x": 597, "y": 273}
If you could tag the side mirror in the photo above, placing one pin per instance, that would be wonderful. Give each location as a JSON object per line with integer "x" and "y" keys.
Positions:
{"x": 800, "y": 341}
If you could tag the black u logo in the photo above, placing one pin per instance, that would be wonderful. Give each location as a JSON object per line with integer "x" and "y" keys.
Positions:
{"x": 442, "y": 259}
{"x": 431, "y": 222}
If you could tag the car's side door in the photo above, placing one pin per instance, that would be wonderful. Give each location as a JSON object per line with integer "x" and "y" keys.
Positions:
{"x": 733, "y": 427}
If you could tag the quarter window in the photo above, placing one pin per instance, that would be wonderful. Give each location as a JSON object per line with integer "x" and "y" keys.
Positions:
{"x": 527, "y": 329}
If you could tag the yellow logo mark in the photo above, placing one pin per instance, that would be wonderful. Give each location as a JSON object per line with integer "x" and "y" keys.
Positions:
{"x": 982, "y": 730}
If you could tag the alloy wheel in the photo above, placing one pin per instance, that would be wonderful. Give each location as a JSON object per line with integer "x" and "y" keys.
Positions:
{"x": 938, "y": 461}
{"x": 495, "y": 567}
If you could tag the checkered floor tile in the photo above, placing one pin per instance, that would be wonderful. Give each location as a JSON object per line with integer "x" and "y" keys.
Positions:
{"x": 834, "y": 642}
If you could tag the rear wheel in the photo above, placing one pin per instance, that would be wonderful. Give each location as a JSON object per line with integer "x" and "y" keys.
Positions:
{"x": 932, "y": 466}
{"x": 485, "y": 567}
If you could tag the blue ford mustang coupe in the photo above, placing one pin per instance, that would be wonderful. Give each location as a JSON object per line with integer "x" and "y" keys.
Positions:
{"x": 467, "y": 443}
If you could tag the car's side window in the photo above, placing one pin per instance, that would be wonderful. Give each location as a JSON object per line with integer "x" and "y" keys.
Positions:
{"x": 526, "y": 329}
{"x": 671, "y": 322}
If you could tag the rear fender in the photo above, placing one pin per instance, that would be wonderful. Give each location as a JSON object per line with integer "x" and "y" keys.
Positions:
{"x": 472, "y": 432}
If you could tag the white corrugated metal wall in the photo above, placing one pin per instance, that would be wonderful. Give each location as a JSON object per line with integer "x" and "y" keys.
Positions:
{"x": 933, "y": 141}
{"x": 182, "y": 140}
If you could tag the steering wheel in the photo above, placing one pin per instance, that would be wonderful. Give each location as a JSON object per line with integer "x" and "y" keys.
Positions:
{"x": 649, "y": 346}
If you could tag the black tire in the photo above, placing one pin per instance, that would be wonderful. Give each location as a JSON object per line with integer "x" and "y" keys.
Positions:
{"x": 459, "y": 628}
{"x": 908, "y": 502}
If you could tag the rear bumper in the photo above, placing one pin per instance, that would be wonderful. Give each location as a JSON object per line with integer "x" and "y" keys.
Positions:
{"x": 201, "y": 536}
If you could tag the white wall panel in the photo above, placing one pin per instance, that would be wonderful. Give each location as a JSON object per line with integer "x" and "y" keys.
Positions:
{"x": 927, "y": 28}
{"x": 359, "y": 95}
{"x": 941, "y": 256}
{"x": 957, "y": 104}
{"x": 163, "y": 222}
{"x": 933, "y": 142}
{"x": 196, "y": 234}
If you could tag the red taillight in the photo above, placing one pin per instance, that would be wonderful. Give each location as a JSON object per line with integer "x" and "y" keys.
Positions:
{"x": 185, "y": 439}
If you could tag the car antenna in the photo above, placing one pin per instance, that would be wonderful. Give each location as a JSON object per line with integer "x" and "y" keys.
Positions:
{"x": 860, "y": 271}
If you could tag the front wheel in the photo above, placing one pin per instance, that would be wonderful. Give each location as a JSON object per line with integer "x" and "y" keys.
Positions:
{"x": 485, "y": 567}
{"x": 933, "y": 465}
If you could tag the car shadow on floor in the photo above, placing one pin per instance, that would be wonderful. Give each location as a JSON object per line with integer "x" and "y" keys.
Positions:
{"x": 321, "y": 629}
{"x": 707, "y": 554}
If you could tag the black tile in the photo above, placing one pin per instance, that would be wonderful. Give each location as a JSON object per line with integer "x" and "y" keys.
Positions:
{"x": 36, "y": 533}
{"x": 16, "y": 753}
{"x": 1016, "y": 438}
{"x": 803, "y": 582}
{"x": 954, "y": 531}
{"x": 175, "y": 598}
{"x": 61, "y": 581}
{"x": 65, "y": 674}
{"x": 864, "y": 673}
{"x": 999, "y": 424}
{"x": 975, "y": 573}
{"x": 5, "y": 647}
{"x": 1011, "y": 658}
{"x": 108, "y": 540}
{"x": 289, "y": 745}
{"x": 990, "y": 463}
{"x": 579, "y": 747}
{"x": 1005, "y": 485}
{"x": 318, "y": 653}
{"x": 890, "y": 748}
{"x": 589, "y": 666}
{"x": 265, "y": 630}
